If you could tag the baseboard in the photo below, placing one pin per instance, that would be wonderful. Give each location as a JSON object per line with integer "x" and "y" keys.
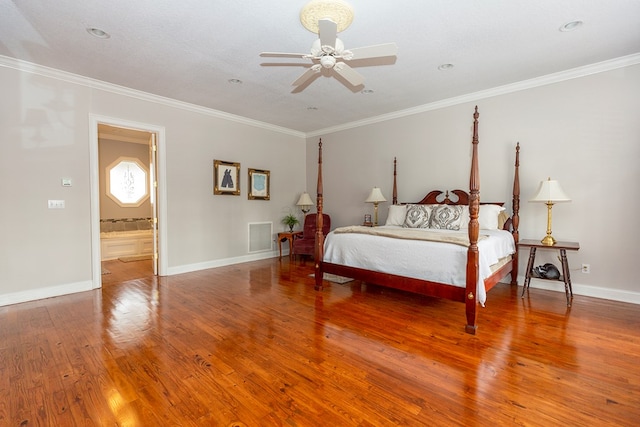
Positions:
{"x": 586, "y": 290}
{"x": 188, "y": 268}
{"x": 42, "y": 293}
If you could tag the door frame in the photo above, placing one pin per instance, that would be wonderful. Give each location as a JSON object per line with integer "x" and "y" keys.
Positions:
{"x": 94, "y": 178}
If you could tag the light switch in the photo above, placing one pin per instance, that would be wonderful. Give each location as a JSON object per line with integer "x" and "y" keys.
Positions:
{"x": 56, "y": 204}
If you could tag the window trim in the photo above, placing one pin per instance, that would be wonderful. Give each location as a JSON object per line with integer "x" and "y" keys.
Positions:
{"x": 114, "y": 197}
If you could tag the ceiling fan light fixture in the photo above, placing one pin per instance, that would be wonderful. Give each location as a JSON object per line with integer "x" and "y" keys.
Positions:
{"x": 328, "y": 61}
{"x": 338, "y": 11}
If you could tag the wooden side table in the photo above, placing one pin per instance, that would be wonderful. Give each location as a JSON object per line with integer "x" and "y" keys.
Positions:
{"x": 289, "y": 236}
{"x": 566, "y": 275}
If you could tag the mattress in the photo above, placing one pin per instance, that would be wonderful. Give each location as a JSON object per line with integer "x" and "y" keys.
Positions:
{"x": 426, "y": 260}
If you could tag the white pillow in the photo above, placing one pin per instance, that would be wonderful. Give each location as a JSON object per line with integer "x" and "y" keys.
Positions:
{"x": 488, "y": 216}
{"x": 397, "y": 214}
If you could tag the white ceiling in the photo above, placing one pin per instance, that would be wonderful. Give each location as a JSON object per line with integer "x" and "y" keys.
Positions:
{"x": 188, "y": 50}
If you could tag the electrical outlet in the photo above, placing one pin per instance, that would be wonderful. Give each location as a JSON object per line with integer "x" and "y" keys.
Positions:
{"x": 586, "y": 268}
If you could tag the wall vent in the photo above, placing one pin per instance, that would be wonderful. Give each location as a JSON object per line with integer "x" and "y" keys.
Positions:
{"x": 260, "y": 236}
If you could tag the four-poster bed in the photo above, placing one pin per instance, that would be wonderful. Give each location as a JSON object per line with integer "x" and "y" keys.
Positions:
{"x": 475, "y": 275}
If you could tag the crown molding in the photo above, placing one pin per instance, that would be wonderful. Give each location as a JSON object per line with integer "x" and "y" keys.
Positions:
{"x": 561, "y": 76}
{"x": 53, "y": 73}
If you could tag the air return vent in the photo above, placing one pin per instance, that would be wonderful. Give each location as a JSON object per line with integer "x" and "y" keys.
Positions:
{"x": 260, "y": 236}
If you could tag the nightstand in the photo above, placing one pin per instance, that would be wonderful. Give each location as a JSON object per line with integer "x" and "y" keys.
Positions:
{"x": 562, "y": 247}
{"x": 289, "y": 236}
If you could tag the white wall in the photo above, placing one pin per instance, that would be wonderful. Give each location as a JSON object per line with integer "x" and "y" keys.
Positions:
{"x": 44, "y": 137}
{"x": 583, "y": 132}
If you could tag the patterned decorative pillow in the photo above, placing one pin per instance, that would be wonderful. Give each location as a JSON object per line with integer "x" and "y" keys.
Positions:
{"x": 417, "y": 216}
{"x": 446, "y": 217}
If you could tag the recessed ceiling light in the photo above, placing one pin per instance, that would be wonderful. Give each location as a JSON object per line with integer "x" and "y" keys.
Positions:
{"x": 235, "y": 81}
{"x": 570, "y": 26}
{"x": 97, "y": 32}
{"x": 366, "y": 91}
{"x": 445, "y": 67}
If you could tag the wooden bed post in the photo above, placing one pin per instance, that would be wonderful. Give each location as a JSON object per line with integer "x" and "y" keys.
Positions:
{"x": 515, "y": 219}
{"x": 471, "y": 298}
{"x": 395, "y": 185}
{"x": 319, "y": 245}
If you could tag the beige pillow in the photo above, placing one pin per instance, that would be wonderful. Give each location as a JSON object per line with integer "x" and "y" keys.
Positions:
{"x": 502, "y": 219}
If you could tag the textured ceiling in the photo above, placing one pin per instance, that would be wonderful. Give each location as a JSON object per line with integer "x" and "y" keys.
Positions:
{"x": 189, "y": 50}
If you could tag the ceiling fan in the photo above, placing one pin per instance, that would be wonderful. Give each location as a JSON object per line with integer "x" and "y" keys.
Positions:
{"x": 328, "y": 52}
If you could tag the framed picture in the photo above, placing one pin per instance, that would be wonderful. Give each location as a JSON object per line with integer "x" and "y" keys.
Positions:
{"x": 259, "y": 184}
{"x": 226, "y": 178}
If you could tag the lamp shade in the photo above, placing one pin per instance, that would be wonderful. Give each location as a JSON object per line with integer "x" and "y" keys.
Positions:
{"x": 550, "y": 191}
{"x": 304, "y": 200}
{"x": 375, "y": 196}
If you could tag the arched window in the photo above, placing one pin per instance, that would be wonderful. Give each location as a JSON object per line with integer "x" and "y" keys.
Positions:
{"x": 127, "y": 182}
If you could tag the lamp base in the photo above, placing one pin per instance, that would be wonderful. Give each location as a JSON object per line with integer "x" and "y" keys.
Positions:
{"x": 548, "y": 240}
{"x": 375, "y": 214}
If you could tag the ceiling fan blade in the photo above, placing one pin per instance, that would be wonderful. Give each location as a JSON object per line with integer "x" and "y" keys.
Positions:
{"x": 286, "y": 64}
{"x": 328, "y": 31}
{"x": 349, "y": 74}
{"x": 283, "y": 55}
{"x": 307, "y": 75}
{"x": 376, "y": 51}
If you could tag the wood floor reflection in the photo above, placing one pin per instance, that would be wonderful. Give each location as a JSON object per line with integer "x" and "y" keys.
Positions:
{"x": 116, "y": 271}
{"x": 255, "y": 345}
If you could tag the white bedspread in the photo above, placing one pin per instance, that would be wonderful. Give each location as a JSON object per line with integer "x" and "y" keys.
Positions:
{"x": 433, "y": 261}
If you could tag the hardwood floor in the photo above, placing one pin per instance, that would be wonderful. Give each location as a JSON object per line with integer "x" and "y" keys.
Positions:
{"x": 255, "y": 345}
{"x": 116, "y": 271}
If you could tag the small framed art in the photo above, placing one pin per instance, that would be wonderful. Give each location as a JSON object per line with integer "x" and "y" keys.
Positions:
{"x": 226, "y": 178}
{"x": 259, "y": 184}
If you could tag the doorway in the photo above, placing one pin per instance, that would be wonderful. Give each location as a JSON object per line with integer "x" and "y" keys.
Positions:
{"x": 127, "y": 198}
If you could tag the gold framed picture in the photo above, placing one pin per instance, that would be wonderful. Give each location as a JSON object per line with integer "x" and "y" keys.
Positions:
{"x": 226, "y": 178}
{"x": 259, "y": 181}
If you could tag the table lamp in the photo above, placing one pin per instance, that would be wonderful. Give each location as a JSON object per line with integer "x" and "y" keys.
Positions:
{"x": 550, "y": 192}
{"x": 305, "y": 203}
{"x": 375, "y": 197}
